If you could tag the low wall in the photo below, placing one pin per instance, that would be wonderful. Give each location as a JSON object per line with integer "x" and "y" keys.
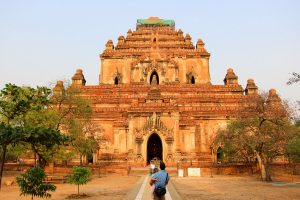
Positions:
{"x": 96, "y": 169}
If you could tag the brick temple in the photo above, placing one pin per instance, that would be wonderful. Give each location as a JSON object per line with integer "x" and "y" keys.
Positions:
{"x": 155, "y": 98}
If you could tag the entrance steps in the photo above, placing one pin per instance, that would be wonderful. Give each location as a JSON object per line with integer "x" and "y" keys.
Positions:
{"x": 146, "y": 170}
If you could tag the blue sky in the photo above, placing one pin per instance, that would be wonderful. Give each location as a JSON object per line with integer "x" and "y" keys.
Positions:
{"x": 45, "y": 41}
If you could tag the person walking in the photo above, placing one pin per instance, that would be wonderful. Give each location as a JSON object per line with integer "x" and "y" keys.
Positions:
{"x": 160, "y": 180}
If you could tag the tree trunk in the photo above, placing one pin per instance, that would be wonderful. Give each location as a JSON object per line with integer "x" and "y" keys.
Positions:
{"x": 41, "y": 161}
{"x": 35, "y": 163}
{"x": 261, "y": 166}
{"x": 81, "y": 164}
{"x": 2, "y": 162}
{"x": 78, "y": 190}
{"x": 249, "y": 166}
{"x": 264, "y": 168}
{"x": 268, "y": 174}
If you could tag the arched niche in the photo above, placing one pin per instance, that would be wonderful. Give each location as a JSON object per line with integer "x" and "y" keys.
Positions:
{"x": 154, "y": 74}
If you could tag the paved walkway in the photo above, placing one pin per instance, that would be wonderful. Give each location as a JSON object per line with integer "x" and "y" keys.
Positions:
{"x": 145, "y": 191}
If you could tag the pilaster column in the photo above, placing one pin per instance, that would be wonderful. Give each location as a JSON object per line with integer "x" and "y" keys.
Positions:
{"x": 116, "y": 140}
{"x": 139, "y": 142}
{"x": 202, "y": 138}
{"x": 169, "y": 141}
{"x": 176, "y": 74}
{"x": 193, "y": 147}
{"x": 176, "y": 132}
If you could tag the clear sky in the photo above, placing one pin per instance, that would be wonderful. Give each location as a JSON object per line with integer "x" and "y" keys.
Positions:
{"x": 45, "y": 41}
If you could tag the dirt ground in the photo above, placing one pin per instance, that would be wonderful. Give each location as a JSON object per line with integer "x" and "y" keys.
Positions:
{"x": 115, "y": 187}
{"x": 111, "y": 187}
{"x": 234, "y": 187}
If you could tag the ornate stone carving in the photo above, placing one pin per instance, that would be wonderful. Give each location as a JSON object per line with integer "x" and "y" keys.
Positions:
{"x": 153, "y": 124}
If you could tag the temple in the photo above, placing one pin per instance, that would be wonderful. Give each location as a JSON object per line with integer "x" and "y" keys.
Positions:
{"x": 155, "y": 98}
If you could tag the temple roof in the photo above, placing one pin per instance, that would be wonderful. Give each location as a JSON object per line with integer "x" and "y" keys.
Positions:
{"x": 155, "y": 21}
{"x": 154, "y": 34}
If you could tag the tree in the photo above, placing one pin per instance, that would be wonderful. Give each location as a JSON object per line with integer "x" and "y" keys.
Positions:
{"x": 75, "y": 118}
{"x": 294, "y": 79}
{"x": 42, "y": 141}
{"x": 293, "y": 149}
{"x": 80, "y": 176}
{"x": 64, "y": 154}
{"x": 70, "y": 105}
{"x": 8, "y": 135}
{"x": 31, "y": 183}
{"x": 87, "y": 137}
{"x": 262, "y": 131}
{"x": 15, "y": 105}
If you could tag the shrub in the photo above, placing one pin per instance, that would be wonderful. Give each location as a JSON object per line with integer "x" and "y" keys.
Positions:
{"x": 80, "y": 176}
{"x": 31, "y": 183}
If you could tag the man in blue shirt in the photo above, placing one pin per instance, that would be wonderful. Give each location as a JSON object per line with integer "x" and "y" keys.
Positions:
{"x": 160, "y": 180}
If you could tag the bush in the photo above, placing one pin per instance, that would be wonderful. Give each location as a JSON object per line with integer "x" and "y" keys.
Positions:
{"x": 80, "y": 176}
{"x": 31, "y": 183}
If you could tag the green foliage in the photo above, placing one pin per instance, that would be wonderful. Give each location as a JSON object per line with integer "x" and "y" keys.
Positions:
{"x": 297, "y": 124}
{"x": 43, "y": 141}
{"x": 75, "y": 113}
{"x": 64, "y": 154}
{"x": 293, "y": 149}
{"x": 27, "y": 117}
{"x": 262, "y": 134}
{"x": 228, "y": 154}
{"x": 69, "y": 106}
{"x": 250, "y": 135}
{"x": 84, "y": 140}
{"x": 14, "y": 152}
{"x": 9, "y": 134}
{"x": 31, "y": 183}
{"x": 16, "y": 101}
{"x": 80, "y": 176}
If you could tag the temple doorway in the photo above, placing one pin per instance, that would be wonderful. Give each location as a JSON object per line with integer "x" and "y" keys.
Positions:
{"x": 193, "y": 80}
{"x": 154, "y": 148}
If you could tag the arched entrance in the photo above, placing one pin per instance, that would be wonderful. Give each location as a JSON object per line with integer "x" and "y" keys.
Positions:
{"x": 154, "y": 148}
{"x": 193, "y": 80}
{"x": 116, "y": 81}
{"x": 154, "y": 74}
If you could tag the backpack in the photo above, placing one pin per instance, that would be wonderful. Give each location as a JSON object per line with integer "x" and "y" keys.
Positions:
{"x": 160, "y": 191}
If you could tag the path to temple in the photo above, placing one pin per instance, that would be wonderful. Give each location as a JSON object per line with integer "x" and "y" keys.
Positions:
{"x": 145, "y": 191}
{"x": 142, "y": 190}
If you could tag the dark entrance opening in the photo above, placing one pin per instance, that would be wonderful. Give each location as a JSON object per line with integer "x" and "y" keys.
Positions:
{"x": 156, "y": 77}
{"x": 192, "y": 80}
{"x": 219, "y": 155}
{"x": 116, "y": 81}
{"x": 154, "y": 148}
{"x": 90, "y": 157}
